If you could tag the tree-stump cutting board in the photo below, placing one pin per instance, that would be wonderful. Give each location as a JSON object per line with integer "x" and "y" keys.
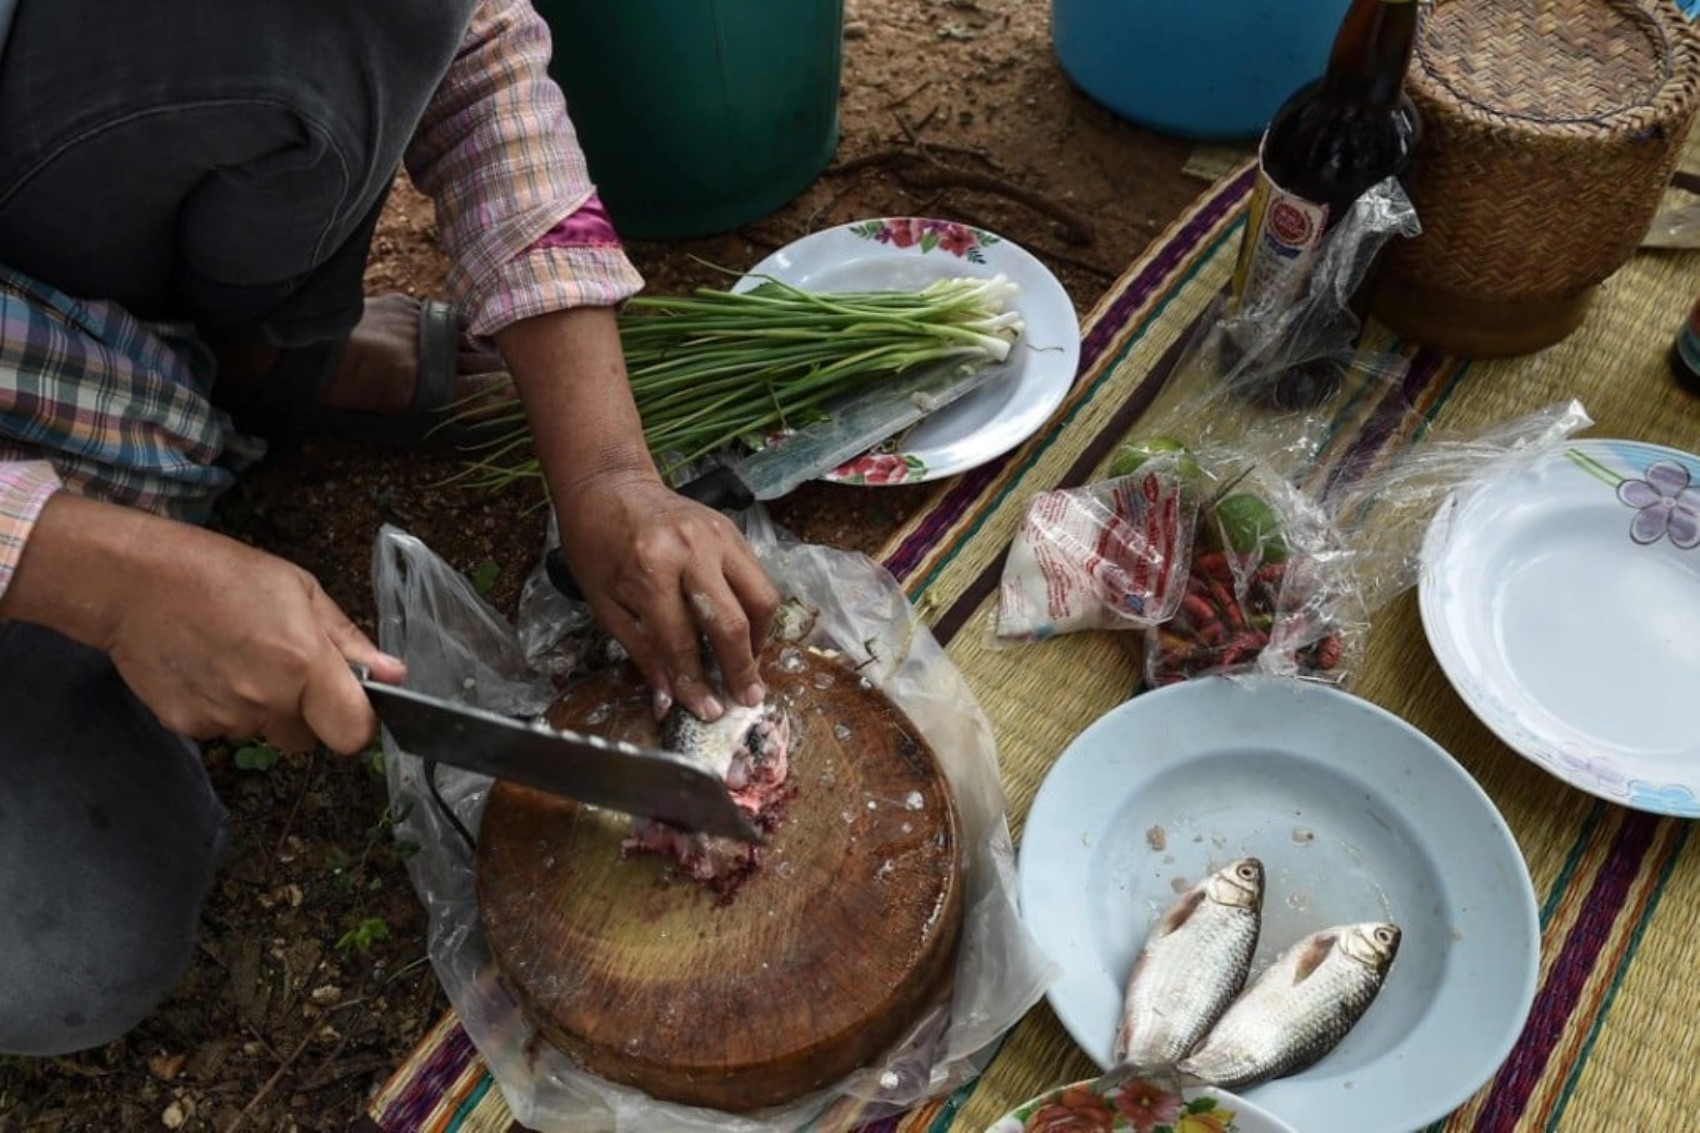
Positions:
{"x": 835, "y": 944}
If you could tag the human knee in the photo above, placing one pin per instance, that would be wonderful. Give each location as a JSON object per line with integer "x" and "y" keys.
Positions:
{"x": 61, "y": 993}
{"x": 110, "y": 836}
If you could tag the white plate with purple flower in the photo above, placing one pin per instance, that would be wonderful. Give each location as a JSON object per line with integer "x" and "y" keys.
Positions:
{"x": 908, "y": 253}
{"x": 1563, "y": 603}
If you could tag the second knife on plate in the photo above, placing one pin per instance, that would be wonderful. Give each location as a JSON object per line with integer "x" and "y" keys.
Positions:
{"x": 849, "y": 429}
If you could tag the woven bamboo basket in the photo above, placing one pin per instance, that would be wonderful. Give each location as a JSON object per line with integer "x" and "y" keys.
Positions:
{"x": 1551, "y": 128}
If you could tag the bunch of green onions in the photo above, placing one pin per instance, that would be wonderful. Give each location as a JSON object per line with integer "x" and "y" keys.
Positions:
{"x": 717, "y": 367}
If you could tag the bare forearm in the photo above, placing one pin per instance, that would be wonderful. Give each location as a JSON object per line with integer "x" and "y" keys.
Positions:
{"x": 659, "y": 570}
{"x": 217, "y": 638}
{"x": 571, "y": 377}
{"x": 78, "y": 550}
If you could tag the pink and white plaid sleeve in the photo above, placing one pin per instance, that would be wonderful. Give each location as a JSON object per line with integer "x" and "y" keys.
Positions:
{"x": 25, "y": 487}
{"x": 499, "y": 157}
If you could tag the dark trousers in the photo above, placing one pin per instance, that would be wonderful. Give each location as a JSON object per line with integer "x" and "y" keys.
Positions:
{"x": 214, "y": 162}
{"x": 217, "y": 162}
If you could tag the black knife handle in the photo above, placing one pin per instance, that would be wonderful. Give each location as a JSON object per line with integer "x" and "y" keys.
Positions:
{"x": 718, "y": 488}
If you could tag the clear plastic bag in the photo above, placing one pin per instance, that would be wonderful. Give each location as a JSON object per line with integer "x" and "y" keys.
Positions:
{"x": 1286, "y": 547}
{"x": 456, "y": 645}
{"x": 1105, "y": 556}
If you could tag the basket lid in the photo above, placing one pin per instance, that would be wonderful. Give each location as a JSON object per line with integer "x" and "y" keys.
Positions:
{"x": 1548, "y": 61}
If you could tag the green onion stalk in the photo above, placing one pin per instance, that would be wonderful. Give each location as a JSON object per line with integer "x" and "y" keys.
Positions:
{"x": 717, "y": 368}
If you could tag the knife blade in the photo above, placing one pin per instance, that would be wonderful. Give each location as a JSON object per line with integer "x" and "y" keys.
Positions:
{"x": 643, "y": 781}
{"x": 852, "y": 427}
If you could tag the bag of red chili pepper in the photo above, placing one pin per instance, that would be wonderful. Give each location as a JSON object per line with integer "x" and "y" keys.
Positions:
{"x": 1297, "y": 545}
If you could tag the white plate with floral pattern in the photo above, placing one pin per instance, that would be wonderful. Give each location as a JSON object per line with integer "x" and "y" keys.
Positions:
{"x": 1138, "y": 1105}
{"x": 1563, "y": 603}
{"x": 908, "y": 253}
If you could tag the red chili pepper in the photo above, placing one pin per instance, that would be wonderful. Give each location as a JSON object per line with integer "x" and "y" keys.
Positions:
{"x": 1214, "y": 565}
{"x": 1228, "y": 604}
{"x": 1327, "y": 652}
{"x": 1244, "y": 646}
{"x": 1213, "y": 632}
{"x": 1195, "y": 607}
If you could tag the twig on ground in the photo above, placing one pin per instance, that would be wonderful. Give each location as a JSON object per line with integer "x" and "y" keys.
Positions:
{"x": 277, "y": 1076}
{"x": 978, "y": 153}
{"x": 920, "y": 171}
{"x": 314, "y": 1025}
{"x": 814, "y": 217}
{"x": 1043, "y": 252}
{"x": 326, "y": 1075}
{"x": 78, "y": 1069}
{"x": 913, "y": 91}
{"x": 914, "y": 131}
{"x": 207, "y": 951}
{"x": 289, "y": 819}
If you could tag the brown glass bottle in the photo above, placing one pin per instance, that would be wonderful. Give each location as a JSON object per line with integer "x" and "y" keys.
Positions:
{"x": 1331, "y": 140}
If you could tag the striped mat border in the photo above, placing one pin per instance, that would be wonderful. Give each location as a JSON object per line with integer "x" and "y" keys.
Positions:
{"x": 1594, "y": 913}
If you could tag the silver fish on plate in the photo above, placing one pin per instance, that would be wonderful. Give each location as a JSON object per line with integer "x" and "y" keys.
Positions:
{"x": 1299, "y": 1009}
{"x": 1194, "y": 961}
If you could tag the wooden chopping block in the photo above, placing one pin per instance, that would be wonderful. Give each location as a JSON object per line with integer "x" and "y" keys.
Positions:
{"x": 827, "y": 953}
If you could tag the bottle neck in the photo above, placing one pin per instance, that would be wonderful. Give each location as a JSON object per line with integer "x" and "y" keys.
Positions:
{"x": 1371, "y": 52}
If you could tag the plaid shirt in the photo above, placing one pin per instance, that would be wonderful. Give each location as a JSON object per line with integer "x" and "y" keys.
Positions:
{"x": 95, "y": 401}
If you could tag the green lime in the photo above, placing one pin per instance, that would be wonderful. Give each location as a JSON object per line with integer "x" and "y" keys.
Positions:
{"x": 1248, "y": 525}
{"x": 1131, "y": 455}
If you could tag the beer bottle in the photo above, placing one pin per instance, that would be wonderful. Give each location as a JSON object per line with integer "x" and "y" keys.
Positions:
{"x": 1328, "y": 143}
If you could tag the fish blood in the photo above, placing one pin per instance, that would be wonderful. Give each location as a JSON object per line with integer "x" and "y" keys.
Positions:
{"x": 750, "y": 749}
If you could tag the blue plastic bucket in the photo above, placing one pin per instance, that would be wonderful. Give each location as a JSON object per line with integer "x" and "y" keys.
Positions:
{"x": 1212, "y": 69}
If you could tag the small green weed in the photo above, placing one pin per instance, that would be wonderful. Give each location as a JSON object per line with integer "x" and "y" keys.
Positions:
{"x": 256, "y": 757}
{"x": 484, "y": 576}
{"x": 362, "y": 936}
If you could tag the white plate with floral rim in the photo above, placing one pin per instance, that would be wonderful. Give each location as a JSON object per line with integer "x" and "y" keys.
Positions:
{"x": 908, "y": 253}
{"x": 1562, "y": 600}
{"x": 1138, "y": 1105}
{"x": 1356, "y": 816}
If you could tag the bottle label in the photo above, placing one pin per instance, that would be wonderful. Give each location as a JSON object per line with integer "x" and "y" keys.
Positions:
{"x": 1282, "y": 239}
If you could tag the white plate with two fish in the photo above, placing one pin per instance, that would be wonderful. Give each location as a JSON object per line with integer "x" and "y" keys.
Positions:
{"x": 1563, "y": 603}
{"x": 907, "y": 254}
{"x": 1356, "y": 816}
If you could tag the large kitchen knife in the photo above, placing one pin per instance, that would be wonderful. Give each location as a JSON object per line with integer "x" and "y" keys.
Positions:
{"x": 608, "y": 773}
{"x": 849, "y": 429}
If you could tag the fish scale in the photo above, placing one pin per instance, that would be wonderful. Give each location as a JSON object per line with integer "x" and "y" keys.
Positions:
{"x": 1299, "y": 1009}
{"x": 1192, "y": 964}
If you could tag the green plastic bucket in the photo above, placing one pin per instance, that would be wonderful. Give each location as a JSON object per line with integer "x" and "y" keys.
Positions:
{"x": 697, "y": 116}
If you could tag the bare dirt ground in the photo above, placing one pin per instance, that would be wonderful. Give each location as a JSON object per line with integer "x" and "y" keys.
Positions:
{"x": 310, "y": 983}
